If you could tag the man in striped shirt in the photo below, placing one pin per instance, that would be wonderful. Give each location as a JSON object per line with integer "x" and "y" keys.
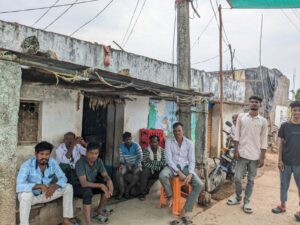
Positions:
{"x": 153, "y": 162}
{"x": 130, "y": 163}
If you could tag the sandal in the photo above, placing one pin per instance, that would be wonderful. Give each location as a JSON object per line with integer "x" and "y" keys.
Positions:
{"x": 233, "y": 201}
{"x": 175, "y": 222}
{"x": 278, "y": 209}
{"x": 247, "y": 208}
{"x": 100, "y": 218}
{"x": 187, "y": 220}
{"x": 107, "y": 210}
{"x": 297, "y": 215}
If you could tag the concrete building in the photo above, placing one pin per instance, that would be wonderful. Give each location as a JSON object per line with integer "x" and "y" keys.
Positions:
{"x": 98, "y": 96}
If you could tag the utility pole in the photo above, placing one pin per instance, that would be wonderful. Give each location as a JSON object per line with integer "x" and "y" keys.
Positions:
{"x": 184, "y": 62}
{"x": 221, "y": 75}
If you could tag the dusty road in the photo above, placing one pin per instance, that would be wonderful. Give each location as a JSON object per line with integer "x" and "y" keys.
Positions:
{"x": 265, "y": 196}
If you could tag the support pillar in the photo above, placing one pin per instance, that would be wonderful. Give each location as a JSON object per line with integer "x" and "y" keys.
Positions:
{"x": 10, "y": 84}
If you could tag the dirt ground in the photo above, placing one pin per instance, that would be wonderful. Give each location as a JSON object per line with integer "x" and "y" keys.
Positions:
{"x": 264, "y": 197}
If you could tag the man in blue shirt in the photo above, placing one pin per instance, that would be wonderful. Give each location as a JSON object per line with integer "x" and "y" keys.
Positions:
{"x": 131, "y": 156}
{"x": 41, "y": 180}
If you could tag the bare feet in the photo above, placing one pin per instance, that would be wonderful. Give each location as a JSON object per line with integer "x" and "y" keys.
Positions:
{"x": 170, "y": 202}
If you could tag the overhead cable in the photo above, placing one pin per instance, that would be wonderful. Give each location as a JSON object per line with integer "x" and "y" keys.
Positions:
{"x": 131, "y": 19}
{"x": 46, "y": 7}
{"x": 134, "y": 23}
{"x": 89, "y": 21}
{"x": 45, "y": 13}
{"x": 60, "y": 15}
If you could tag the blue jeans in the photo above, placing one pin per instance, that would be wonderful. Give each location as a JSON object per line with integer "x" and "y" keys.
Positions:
{"x": 242, "y": 166}
{"x": 166, "y": 174}
{"x": 285, "y": 178}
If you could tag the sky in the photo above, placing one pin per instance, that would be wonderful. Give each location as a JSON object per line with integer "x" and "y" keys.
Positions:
{"x": 153, "y": 34}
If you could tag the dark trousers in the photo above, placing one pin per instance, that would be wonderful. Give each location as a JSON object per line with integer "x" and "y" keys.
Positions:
{"x": 147, "y": 179}
{"x": 87, "y": 193}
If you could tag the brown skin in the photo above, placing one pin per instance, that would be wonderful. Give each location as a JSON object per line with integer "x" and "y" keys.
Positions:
{"x": 71, "y": 141}
{"x": 42, "y": 159}
{"x": 108, "y": 189}
{"x": 254, "y": 106}
{"x": 127, "y": 142}
{"x": 154, "y": 146}
{"x": 234, "y": 118}
{"x": 178, "y": 134}
{"x": 295, "y": 119}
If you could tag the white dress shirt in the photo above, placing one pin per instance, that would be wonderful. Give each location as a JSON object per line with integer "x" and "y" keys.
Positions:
{"x": 252, "y": 135}
{"x": 61, "y": 151}
{"x": 182, "y": 156}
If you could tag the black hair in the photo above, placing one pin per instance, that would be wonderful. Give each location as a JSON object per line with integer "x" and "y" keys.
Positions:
{"x": 92, "y": 146}
{"x": 154, "y": 136}
{"x": 70, "y": 133}
{"x": 43, "y": 146}
{"x": 177, "y": 124}
{"x": 255, "y": 97}
{"x": 295, "y": 104}
{"x": 126, "y": 135}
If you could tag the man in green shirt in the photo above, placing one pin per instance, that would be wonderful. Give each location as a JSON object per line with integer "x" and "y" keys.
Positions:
{"x": 153, "y": 162}
{"x": 93, "y": 179}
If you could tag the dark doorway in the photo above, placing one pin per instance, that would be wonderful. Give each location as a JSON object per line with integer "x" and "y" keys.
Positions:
{"x": 94, "y": 124}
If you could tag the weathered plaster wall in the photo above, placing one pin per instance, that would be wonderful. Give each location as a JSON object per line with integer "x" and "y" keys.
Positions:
{"x": 92, "y": 55}
{"x": 58, "y": 115}
{"x": 234, "y": 90}
{"x": 10, "y": 83}
{"x": 136, "y": 115}
{"x": 229, "y": 110}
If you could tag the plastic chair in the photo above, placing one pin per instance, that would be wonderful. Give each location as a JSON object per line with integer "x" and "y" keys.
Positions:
{"x": 179, "y": 197}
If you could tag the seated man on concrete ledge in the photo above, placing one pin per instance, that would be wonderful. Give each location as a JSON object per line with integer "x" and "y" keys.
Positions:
{"x": 153, "y": 162}
{"x": 180, "y": 157}
{"x": 68, "y": 153}
{"x": 131, "y": 156}
{"x": 93, "y": 179}
{"x": 41, "y": 180}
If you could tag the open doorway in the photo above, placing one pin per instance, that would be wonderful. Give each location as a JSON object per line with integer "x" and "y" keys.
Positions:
{"x": 94, "y": 124}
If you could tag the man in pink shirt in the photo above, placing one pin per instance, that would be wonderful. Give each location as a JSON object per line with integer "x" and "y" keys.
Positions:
{"x": 251, "y": 142}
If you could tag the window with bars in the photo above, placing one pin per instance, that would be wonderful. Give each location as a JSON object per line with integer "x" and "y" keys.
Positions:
{"x": 28, "y": 125}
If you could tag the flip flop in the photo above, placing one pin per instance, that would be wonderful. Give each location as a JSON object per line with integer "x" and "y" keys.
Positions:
{"x": 100, "y": 218}
{"x": 175, "y": 222}
{"x": 233, "y": 201}
{"x": 278, "y": 209}
{"x": 187, "y": 220}
{"x": 107, "y": 210}
{"x": 247, "y": 208}
{"x": 297, "y": 216}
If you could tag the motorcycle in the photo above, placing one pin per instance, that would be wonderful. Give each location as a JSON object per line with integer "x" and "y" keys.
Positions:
{"x": 225, "y": 168}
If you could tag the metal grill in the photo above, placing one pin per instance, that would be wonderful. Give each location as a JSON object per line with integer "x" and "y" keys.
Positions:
{"x": 28, "y": 122}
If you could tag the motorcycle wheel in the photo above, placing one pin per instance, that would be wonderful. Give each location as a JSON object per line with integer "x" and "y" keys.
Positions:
{"x": 216, "y": 181}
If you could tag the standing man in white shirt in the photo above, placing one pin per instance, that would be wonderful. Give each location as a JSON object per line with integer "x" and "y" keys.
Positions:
{"x": 180, "y": 157}
{"x": 68, "y": 153}
{"x": 251, "y": 142}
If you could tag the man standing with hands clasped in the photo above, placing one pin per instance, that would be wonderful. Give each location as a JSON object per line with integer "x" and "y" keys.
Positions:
{"x": 251, "y": 142}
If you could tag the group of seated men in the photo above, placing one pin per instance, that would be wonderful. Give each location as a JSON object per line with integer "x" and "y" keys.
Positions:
{"x": 79, "y": 171}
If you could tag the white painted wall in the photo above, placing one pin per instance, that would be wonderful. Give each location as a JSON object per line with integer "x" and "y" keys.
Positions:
{"x": 136, "y": 115}
{"x": 58, "y": 114}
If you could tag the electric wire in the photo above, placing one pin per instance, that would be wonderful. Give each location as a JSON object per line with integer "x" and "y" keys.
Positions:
{"x": 60, "y": 15}
{"x": 131, "y": 19}
{"x": 46, "y": 7}
{"x": 89, "y": 21}
{"x": 45, "y": 13}
{"x": 209, "y": 59}
{"x": 290, "y": 20}
{"x": 135, "y": 23}
{"x": 203, "y": 31}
